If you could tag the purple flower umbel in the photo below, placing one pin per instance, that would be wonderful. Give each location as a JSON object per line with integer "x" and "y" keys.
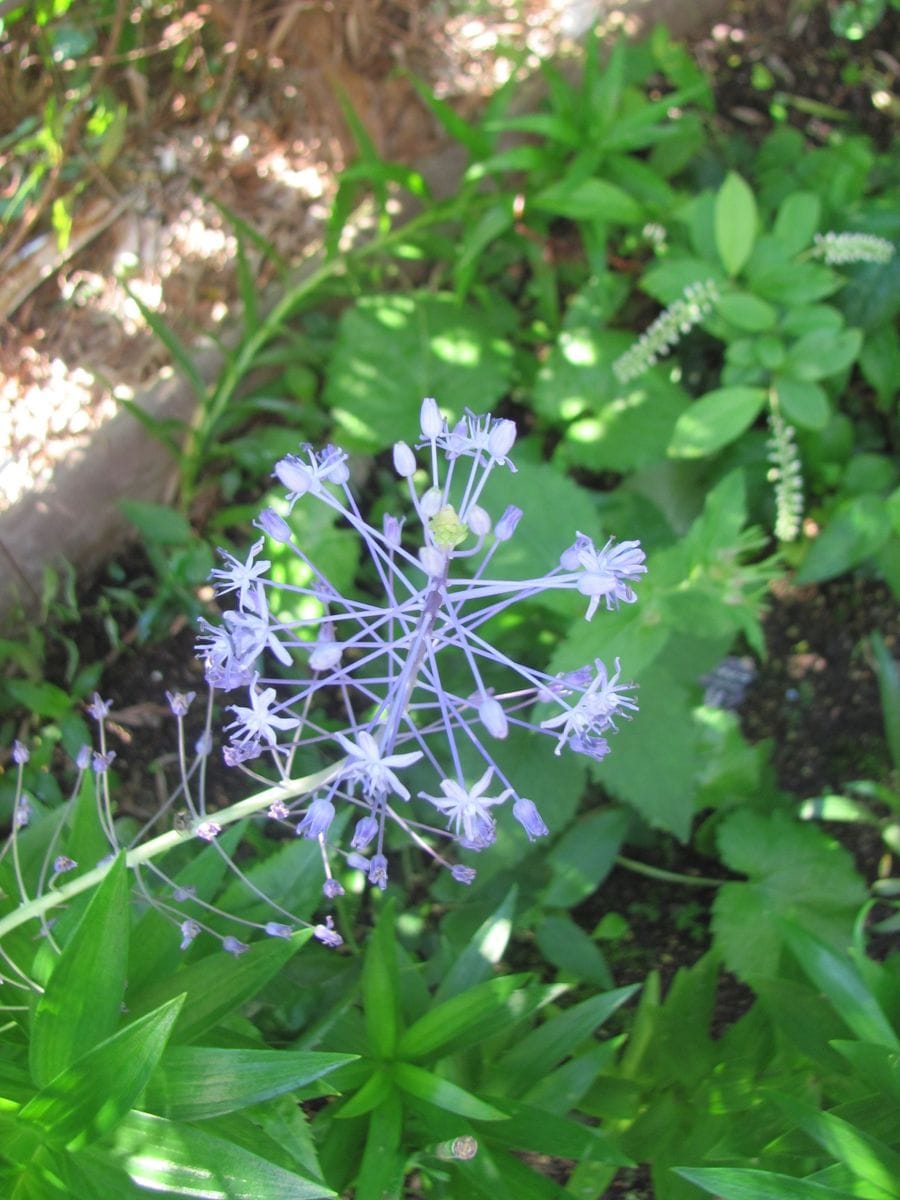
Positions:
{"x": 399, "y": 683}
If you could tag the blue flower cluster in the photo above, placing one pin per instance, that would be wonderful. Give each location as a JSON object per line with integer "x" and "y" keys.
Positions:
{"x": 392, "y": 685}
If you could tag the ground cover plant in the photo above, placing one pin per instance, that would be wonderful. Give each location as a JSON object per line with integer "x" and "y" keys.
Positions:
{"x": 357, "y": 936}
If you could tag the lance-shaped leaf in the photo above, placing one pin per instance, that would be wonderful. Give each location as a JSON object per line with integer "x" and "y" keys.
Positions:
{"x": 194, "y": 1083}
{"x": 90, "y": 1097}
{"x": 218, "y": 984}
{"x": 424, "y": 1085}
{"x": 81, "y": 1005}
{"x": 464, "y": 1020}
{"x": 182, "y": 1160}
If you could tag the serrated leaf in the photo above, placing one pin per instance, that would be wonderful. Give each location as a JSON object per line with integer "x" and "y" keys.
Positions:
{"x": 394, "y": 350}
{"x": 714, "y": 420}
{"x": 81, "y": 1004}
{"x": 194, "y": 1083}
{"x": 795, "y": 873}
{"x": 89, "y": 1098}
{"x": 173, "y": 1157}
{"x": 735, "y": 222}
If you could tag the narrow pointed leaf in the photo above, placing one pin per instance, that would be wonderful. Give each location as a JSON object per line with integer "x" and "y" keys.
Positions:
{"x": 423, "y": 1085}
{"x": 182, "y": 1160}
{"x": 81, "y": 1005}
{"x": 193, "y": 1083}
{"x": 90, "y": 1097}
{"x": 464, "y": 1020}
{"x": 736, "y": 1183}
{"x": 218, "y": 984}
{"x": 379, "y": 988}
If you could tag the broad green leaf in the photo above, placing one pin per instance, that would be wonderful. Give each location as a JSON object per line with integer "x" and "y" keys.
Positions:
{"x": 584, "y": 856}
{"x": 394, "y": 350}
{"x": 463, "y": 1020}
{"x": 745, "y": 311}
{"x": 544, "y": 1048}
{"x": 802, "y": 403}
{"x": 565, "y": 944}
{"x": 714, "y": 420}
{"x": 381, "y": 1002}
{"x": 736, "y": 1183}
{"x": 588, "y": 200}
{"x": 797, "y": 221}
{"x": 81, "y": 1004}
{"x": 158, "y": 523}
{"x": 90, "y": 1097}
{"x": 424, "y": 1085}
{"x": 858, "y": 529}
{"x": 218, "y": 984}
{"x": 173, "y": 1157}
{"x": 193, "y": 1083}
{"x": 822, "y": 353}
{"x": 844, "y": 988}
{"x": 796, "y": 873}
{"x": 735, "y": 222}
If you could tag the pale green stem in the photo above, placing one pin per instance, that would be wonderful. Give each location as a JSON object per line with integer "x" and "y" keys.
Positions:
{"x": 157, "y": 846}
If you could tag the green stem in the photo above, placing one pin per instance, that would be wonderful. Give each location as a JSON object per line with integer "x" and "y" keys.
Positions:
{"x": 165, "y": 842}
{"x": 639, "y": 868}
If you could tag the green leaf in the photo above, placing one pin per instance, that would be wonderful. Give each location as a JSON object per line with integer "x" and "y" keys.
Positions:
{"x": 81, "y": 1005}
{"x": 843, "y": 986}
{"x": 218, "y": 984}
{"x": 859, "y": 528}
{"x": 822, "y": 353}
{"x": 158, "y": 523}
{"x": 89, "y": 1098}
{"x": 194, "y": 1083}
{"x": 736, "y": 1183}
{"x": 382, "y": 1168}
{"x": 584, "y": 856}
{"x": 170, "y": 1157}
{"x": 482, "y": 952}
{"x": 424, "y": 1085}
{"x": 543, "y": 1132}
{"x": 571, "y": 950}
{"x": 381, "y": 1002}
{"x": 745, "y": 311}
{"x": 714, "y": 420}
{"x": 795, "y": 872}
{"x": 867, "y": 1157}
{"x": 797, "y": 221}
{"x": 588, "y": 200}
{"x": 463, "y": 1020}
{"x": 889, "y": 692}
{"x": 394, "y": 350}
{"x": 804, "y": 404}
{"x": 735, "y": 222}
{"x": 544, "y": 1048}
{"x": 180, "y": 352}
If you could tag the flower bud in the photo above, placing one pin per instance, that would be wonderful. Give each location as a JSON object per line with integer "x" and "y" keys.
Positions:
{"x": 529, "y": 818}
{"x": 363, "y": 834}
{"x": 404, "y": 460}
{"x": 20, "y": 754}
{"x": 276, "y": 929}
{"x": 478, "y": 521}
{"x": 272, "y": 524}
{"x": 431, "y": 502}
{"x": 501, "y": 439}
{"x": 431, "y": 420}
{"x": 295, "y": 477}
{"x": 506, "y": 526}
{"x": 432, "y": 561}
{"x": 493, "y": 718}
{"x": 392, "y": 528}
